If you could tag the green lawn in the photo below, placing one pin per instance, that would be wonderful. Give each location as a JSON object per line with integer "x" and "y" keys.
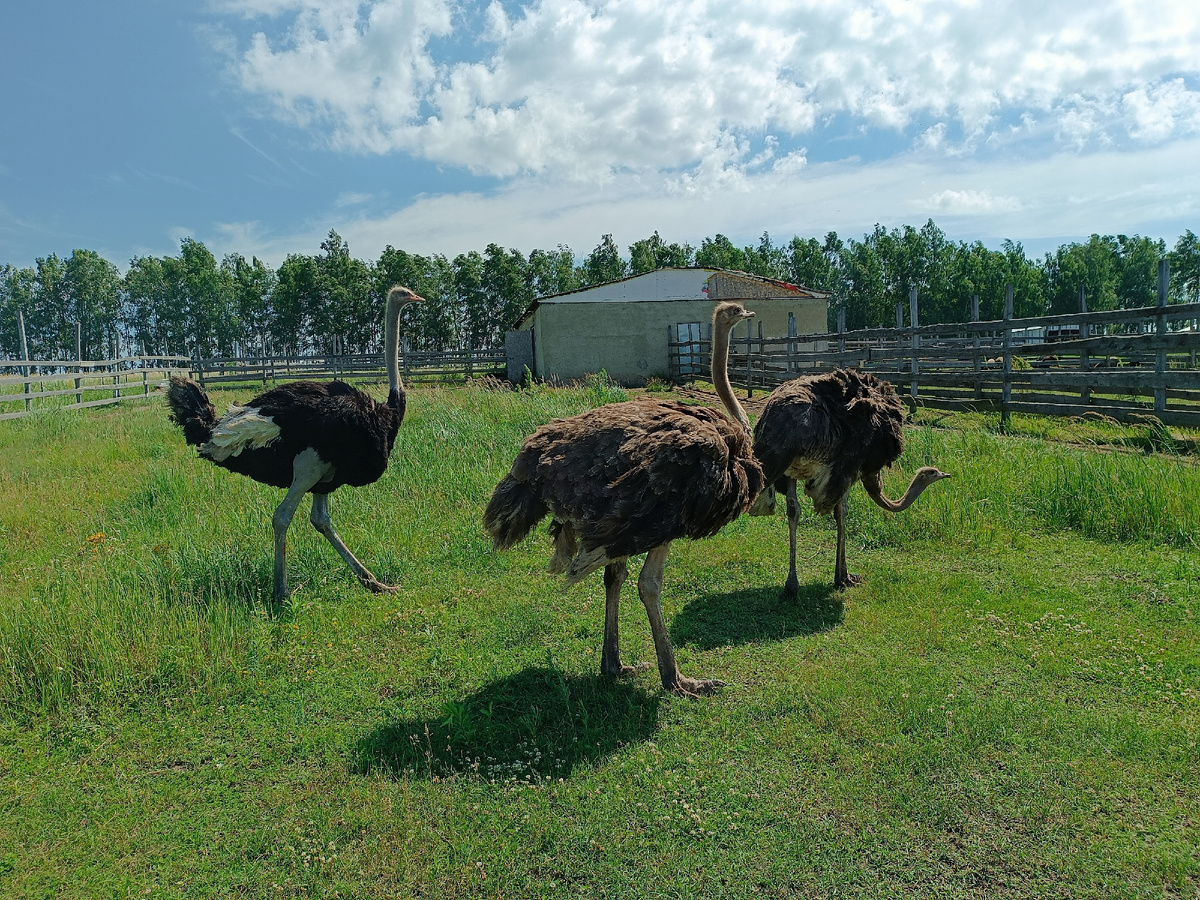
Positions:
{"x": 1008, "y": 707}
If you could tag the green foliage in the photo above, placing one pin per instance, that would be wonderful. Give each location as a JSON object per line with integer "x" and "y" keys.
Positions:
{"x": 177, "y": 304}
{"x": 604, "y": 263}
{"x": 600, "y": 390}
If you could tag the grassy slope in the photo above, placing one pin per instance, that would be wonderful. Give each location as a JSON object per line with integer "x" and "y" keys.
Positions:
{"x": 1007, "y": 707}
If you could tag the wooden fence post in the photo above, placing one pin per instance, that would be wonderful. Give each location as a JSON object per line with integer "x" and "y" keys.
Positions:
{"x": 899, "y": 337}
{"x": 916, "y": 346}
{"x": 79, "y": 359}
{"x": 1085, "y": 332}
{"x": 24, "y": 355}
{"x": 976, "y": 362}
{"x": 1006, "y": 390}
{"x": 749, "y": 375}
{"x": 841, "y": 327}
{"x": 1160, "y": 330}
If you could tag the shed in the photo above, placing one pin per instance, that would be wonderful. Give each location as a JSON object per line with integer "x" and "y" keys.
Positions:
{"x": 624, "y": 326}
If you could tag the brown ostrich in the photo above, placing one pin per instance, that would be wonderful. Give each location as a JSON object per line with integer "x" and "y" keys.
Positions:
{"x": 630, "y": 478}
{"x": 830, "y": 431}
{"x": 306, "y": 437}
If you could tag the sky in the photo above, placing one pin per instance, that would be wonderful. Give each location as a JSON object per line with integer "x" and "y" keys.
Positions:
{"x": 256, "y": 126}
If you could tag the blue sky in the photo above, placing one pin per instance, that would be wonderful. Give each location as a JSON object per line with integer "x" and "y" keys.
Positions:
{"x": 258, "y": 125}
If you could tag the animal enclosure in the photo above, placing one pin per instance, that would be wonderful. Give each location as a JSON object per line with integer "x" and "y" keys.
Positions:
{"x": 1120, "y": 363}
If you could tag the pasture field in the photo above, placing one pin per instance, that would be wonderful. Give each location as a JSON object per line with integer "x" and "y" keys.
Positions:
{"x": 1009, "y": 706}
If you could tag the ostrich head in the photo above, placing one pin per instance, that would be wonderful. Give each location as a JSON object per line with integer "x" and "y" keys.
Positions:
{"x": 927, "y": 475}
{"x": 729, "y": 313}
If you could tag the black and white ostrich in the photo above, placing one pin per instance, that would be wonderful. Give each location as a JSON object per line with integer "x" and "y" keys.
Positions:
{"x": 304, "y": 436}
{"x": 630, "y": 478}
{"x": 830, "y": 431}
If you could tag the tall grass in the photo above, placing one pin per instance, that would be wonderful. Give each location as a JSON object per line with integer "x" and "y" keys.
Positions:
{"x": 127, "y": 562}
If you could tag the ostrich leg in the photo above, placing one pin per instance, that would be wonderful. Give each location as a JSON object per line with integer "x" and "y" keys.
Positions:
{"x": 307, "y": 470}
{"x": 615, "y": 574}
{"x": 650, "y": 588}
{"x": 842, "y": 578}
{"x": 792, "y": 587}
{"x": 321, "y": 521}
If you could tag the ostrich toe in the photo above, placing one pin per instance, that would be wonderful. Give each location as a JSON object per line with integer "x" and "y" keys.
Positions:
{"x": 375, "y": 586}
{"x": 695, "y": 688}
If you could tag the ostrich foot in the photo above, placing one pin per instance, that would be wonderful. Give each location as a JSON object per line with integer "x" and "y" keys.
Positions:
{"x": 375, "y": 586}
{"x": 622, "y": 671}
{"x": 695, "y": 688}
{"x": 791, "y": 588}
{"x": 850, "y": 580}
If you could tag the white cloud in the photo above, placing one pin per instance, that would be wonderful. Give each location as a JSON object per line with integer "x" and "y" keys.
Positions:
{"x": 351, "y": 198}
{"x": 589, "y": 89}
{"x": 1039, "y": 202}
{"x": 969, "y": 202}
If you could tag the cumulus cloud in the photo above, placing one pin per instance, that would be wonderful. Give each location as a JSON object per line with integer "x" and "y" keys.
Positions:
{"x": 699, "y": 89}
{"x": 969, "y": 202}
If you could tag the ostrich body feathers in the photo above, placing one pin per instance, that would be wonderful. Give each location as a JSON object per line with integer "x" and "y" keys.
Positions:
{"x": 347, "y": 429}
{"x": 827, "y": 430}
{"x": 626, "y": 478}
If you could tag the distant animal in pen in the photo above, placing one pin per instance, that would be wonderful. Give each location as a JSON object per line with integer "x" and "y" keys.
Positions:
{"x": 306, "y": 437}
{"x": 828, "y": 432}
{"x": 630, "y": 478}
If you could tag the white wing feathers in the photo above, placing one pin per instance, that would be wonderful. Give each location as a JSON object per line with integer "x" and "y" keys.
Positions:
{"x": 241, "y": 428}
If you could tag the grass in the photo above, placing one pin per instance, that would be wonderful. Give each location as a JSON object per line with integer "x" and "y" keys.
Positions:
{"x": 1006, "y": 708}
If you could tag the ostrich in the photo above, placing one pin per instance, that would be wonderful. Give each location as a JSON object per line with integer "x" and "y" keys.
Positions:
{"x": 630, "y": 478}
{"x": 305, "y": 437}
{"x": 830, "y": 431}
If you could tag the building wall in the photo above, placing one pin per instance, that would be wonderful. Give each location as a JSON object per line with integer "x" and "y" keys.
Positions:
{"x": 624, "y": 327}
{"x": 629, "y": 339}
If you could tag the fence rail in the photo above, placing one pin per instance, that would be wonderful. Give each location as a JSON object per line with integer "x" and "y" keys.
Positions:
{"x": 416, "y": 366}
{"x": 40, "y": 383}
{"x": 1123, "y": 364}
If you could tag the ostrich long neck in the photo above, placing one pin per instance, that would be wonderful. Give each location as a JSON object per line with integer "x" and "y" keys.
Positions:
{"x": 720, "y": 373}
{"x": 874, "y": 486}
{"x": 391, "y": 344}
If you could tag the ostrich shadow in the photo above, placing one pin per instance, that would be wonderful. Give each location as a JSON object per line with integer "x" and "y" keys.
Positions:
{"x": 537, "y": 723}
{"x": 756, "y": 615}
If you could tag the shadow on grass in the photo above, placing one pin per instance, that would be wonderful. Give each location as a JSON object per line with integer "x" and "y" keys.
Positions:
{"x": 537, "y": 723}
{"x": 756, "y": 616}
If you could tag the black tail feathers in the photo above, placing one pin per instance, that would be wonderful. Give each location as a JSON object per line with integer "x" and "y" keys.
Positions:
{"x": 190, "y": 409}
{"x": 512, "y": 512}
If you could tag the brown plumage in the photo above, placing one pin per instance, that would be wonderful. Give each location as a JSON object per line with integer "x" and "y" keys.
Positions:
{"x": 831, "y": 431}
{"x": 630, "y": 478}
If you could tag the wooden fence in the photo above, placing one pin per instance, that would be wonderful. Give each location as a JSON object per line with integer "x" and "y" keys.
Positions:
{"x": 1123, "y": 364}
{"x": 415, "y": 366}
{"x": 27, "y": 385}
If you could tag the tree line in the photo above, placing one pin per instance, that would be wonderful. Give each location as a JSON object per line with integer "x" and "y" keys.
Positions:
{"x": 333, "y": 302}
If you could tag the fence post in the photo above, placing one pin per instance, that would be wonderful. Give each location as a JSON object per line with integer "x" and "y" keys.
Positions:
{"x": 24, "y": 355}
{"x": 1006, "y": 390}
{"x": 1085, "y": 332}
{"x": 199, "y": 365}
{"x": 793, "y": 347}
{"x": 916, "y": 346}
{"x": 899, "y": 337}
{"x": 749, "y": 376}
{"x": 1160, "y": 329}
{"x": 79, "y": 359}
{"x": 976, "y": 362}
{"x": 841, "y": 327}
{"x": 116, "y": 368}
